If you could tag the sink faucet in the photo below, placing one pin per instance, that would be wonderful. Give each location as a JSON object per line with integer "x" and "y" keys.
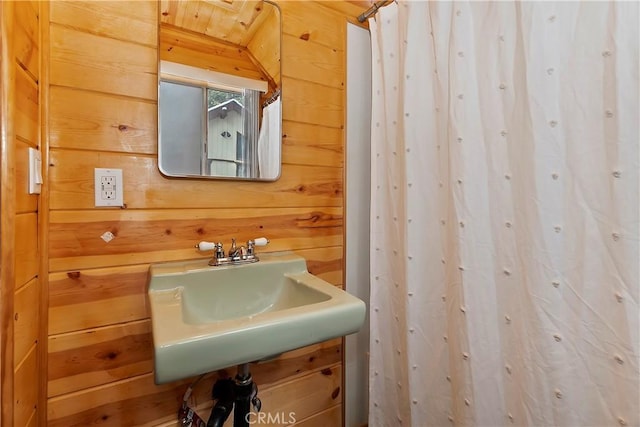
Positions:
{"x": 236, "y": 255}
{"x": 237, "y": 252}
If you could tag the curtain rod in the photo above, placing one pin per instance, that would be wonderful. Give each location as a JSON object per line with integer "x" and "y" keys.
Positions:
{"x": 272, "y": 98}
{"x": 372, "y": 10}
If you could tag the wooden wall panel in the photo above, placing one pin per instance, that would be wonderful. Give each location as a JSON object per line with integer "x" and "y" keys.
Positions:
{"x": 94, "y": 357}
{"x": 94, "y": 298}
{"x": 84, "y": 60}
{"x": 26, "y": 107}
{"x": 26, "y": 37}
{"x": 325, "y": 263}
{"x": 130, "y": 402}
{"x": 306, "y": 395}
{"x": 103, "y": 93}
{"x": 317, "y": 63}
{"x": 146, "y": 231}
{"x": 98, "y": 356}
{"x": 33, "y": 420}
{"x": 100, "y": 122}
{"x": 19, "y": 255}
{"x": 312, "y": 103}
{"x": 328, "y": 417}
{"x": 26, "y": 247}
{"x": 313, "y": 22}
{"x": 72, "y": 183}
{"x": 26, "y": 390}
{"x": 305, "y": 144}
{"x": 138, "y": 401}
{"x": 26, "y": 319}
{"x": 111, "y": 19}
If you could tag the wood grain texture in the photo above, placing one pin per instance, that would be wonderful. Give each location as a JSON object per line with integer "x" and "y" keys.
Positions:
{"x": 26, "y": 107}
{"x": 99, "y": 356}
{"x": 7, "y": 214}
{"x": 88, "y": 61}
{"x": 72, "y": 182}
{"x": 26, "y": 248}
{"x": 137, "y": 401}
{"x": 26, "y": 37}
{"x": 312, "y": 103}
{"x": 196, "y": 50}
{"x": 131, "y": 402}
{"x": 325, "y": 263}
{"x": 235, "y": 22}
{"x": 33, "y": 419}
{"x": 25, "y": 394}
{"x": 26, "y": 319}
{"x": 142, "y": 231}
{"x": 313, "y": 62}
{"x": 304, "y": 144}
{"x": 313, "y": 22}
{"x": 43, "y": 217}
{"x": 100, "y": 122}
{"x": 94, "y": 298}
{"x": 134, "y": 23}
{"x": 25, "y": 304}
{"x": 328, "y": 417}
{"x": 94, "y": 357}
{"x": 331, "y": 417}
{"x": 306, "y": 395}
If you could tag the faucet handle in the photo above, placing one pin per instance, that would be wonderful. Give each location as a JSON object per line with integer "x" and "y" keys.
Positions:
{"x": 260, "y": 241}
{"x": 206, "y": 246}
{"x": 210, "y": 246}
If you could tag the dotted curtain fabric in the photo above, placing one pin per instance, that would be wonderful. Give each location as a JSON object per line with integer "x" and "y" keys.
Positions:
{"x": 505, "y": 224}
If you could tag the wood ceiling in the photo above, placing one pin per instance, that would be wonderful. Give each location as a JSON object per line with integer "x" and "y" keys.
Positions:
{"x": 232, "y": 21}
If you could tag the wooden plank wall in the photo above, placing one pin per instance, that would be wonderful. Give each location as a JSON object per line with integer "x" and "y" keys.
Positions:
{"x": 20, "y": 258}
{"x": 102, "y": 113}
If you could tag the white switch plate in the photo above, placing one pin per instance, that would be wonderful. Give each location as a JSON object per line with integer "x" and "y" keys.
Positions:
{"x": 35, "y": 171}
{"x": 109, "y": 187}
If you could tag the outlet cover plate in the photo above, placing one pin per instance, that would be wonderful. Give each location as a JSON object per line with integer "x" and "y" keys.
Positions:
{"x": 109, "y": 187}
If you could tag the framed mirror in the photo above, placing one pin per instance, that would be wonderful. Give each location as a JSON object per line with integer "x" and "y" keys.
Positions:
{"x": 219, "y": 110}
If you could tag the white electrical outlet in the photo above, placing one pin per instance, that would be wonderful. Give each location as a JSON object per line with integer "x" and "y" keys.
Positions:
{"x": 108, "y": 187}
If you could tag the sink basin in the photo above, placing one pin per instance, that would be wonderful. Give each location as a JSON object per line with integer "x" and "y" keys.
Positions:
{"x": 207, "y": 318}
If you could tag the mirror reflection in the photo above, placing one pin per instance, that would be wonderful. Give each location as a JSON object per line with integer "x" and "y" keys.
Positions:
{"x": 219, "y": 90}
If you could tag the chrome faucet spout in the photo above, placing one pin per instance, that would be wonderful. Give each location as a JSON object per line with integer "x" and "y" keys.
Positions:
{"x": 240, "y": 252}
{"x": 236, "y": 252}
{"x": 233, "y": 250}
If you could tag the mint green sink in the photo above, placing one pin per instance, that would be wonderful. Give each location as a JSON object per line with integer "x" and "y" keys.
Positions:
{"x": 207, "y": 318}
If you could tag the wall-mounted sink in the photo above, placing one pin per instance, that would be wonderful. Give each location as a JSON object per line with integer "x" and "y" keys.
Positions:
{"x": 207, "y": 318}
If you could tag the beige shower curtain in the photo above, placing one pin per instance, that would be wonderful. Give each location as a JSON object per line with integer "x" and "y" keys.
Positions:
{"x": 505, "y": 224}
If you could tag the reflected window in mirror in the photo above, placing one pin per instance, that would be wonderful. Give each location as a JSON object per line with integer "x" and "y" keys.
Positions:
{"x": 208, "y": 131}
